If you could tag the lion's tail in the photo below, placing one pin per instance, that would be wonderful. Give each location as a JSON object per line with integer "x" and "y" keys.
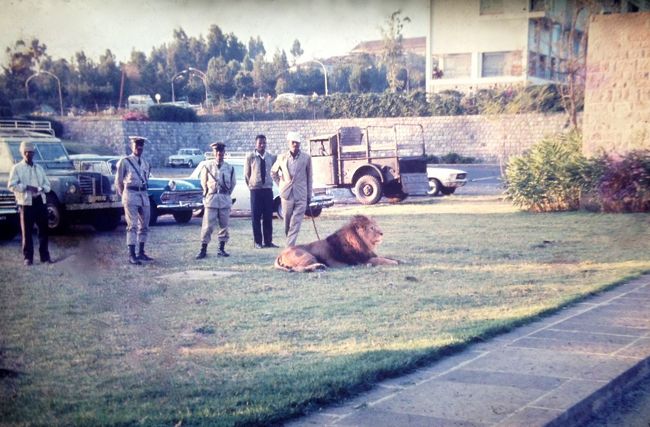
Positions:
{"x": 298, "y": 268}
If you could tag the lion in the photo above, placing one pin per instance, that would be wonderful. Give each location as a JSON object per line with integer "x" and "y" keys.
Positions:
{"x": 352, "y": 244}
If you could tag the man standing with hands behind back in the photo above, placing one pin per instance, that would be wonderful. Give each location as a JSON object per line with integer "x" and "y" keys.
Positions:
{"x": 131, "y": 183}
{"x": 293, "y": 173}
{"x": 257, "y": 174}
{"x": 29, "y": 184}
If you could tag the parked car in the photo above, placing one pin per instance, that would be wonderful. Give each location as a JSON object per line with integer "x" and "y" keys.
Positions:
{"x": 76, "y": 195}
{"x": 241, "y": 194}
{"x": 189, "y": 157}
{"x": 167, "y": 196}
{"x": 444, "y": 181}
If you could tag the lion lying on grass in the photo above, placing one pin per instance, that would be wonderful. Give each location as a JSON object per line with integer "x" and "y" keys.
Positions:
{"x": 353, "y": 244}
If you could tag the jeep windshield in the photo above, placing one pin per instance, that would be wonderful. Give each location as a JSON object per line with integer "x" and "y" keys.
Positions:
{"x": 49, "y": 155}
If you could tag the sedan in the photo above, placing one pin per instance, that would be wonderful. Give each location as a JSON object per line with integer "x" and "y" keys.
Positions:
{"x": 444, "y": 181}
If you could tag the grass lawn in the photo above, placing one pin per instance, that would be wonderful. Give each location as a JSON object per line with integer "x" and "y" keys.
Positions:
{"x": 91, "y": 341}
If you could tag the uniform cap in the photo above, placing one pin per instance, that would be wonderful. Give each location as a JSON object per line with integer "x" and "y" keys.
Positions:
{"x": 294, "y": 136}
{"x": 139, "y": 140}
{"x": 26, "y": 146}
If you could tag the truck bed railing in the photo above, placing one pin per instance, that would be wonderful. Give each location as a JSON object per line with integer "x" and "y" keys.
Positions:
{"x": 13, "y": 126}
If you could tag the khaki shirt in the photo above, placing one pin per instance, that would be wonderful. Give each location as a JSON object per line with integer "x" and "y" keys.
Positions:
{"x": 22, "y": 175}
{"x": 294, "y": 176}
{"x": 130, "y": 173}
{"x": 253, "y": 170}
{"x": 218, "y": 184}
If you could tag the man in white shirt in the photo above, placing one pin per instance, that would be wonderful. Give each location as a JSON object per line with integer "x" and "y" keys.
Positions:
{"x": 29, "y": 184}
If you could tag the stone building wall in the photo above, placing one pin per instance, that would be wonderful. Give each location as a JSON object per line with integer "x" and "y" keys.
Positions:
{"x": 617, "y": 93}
{"x": 487, "y": 138}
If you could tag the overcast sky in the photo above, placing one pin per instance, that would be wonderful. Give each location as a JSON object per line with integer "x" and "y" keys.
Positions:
{"x": 324, "y": 27}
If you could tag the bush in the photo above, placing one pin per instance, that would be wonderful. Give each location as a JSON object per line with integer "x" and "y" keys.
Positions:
{"x": 134, "y": 116}
{"x": 624, "y": 184}
{"x": 172, "y": 113}
{"x": 447, "y": 103}
{"x": 450, "y": 158}
{"x": 22, "y": 106}
{"x": 551, "y": 177}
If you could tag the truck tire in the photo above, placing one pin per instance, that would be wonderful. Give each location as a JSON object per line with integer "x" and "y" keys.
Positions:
{"x": 434, "y": 187}
{"x": 313, "y": 212}
{"x": 153, "y": 213}
{"x": 368, "y": 190}
{"x": 9, "y": 231}
{"x": 55, "y": 219}
{"x": 190, "y": 164}
{"x": 182, "y": 217}
{"x": 107, "y": 220}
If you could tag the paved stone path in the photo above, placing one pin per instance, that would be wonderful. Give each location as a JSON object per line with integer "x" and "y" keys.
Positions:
{"x": 554, "y": 371}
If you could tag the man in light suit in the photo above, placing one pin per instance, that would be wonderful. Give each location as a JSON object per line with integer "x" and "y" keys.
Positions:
{"x": 293, "y": 173}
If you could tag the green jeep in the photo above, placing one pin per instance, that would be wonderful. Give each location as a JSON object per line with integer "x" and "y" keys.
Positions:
{"x": 77, "y": 196}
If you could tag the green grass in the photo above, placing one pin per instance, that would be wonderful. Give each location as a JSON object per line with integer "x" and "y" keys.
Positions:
{"x": 90, "y": 341}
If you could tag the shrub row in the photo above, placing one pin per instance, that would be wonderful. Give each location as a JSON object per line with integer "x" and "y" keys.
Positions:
{"x": 555, "y": 176}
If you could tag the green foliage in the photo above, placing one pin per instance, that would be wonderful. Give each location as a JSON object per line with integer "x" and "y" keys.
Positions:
{"x": 550, "y": 177}
{"x": 447, "y": 103}
{"x": 22, "y": 106}
{"x": 171, "y": 113}
{"x": 387, "y": 104}
{"x": 624, "y": 182}
{"x": 450, "y": 158}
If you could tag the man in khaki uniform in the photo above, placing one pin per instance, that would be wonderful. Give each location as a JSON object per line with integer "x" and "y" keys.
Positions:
{"x": 257, "y": 173}
{"x": 131, "y": 178}
{"x": 293, "y": 173}
{"x": 28, "y": 182}
{"x": 218, "y": 182}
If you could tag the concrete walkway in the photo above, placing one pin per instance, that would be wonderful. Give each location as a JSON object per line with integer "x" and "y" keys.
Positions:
{"x": 555, "y": 371}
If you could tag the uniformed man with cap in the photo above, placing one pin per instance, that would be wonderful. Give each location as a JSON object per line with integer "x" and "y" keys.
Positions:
{"x": 29, "y": 184}
{"x": 218, "y": 182}
{"x": 293, "y": 173}
{"x": 131, "y": 178}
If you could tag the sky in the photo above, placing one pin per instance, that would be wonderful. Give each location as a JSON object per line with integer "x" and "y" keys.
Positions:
{"x": 324, "y": 27}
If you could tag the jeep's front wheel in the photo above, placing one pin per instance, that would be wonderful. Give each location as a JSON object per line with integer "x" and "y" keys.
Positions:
{"x": 55, "y": 220}
{"x": 9, "y": 230}
{"x": 368, "y": 190}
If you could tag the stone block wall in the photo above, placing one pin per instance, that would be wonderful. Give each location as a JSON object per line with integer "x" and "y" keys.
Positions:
{"x": 617, "y": 93}
{"x": 488, "y": 138}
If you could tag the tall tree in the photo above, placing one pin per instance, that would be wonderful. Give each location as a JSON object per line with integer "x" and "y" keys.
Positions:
{"x": 296, "y": 51}
{"x": 393, "y": 54}
{"x": 256, "y": 47}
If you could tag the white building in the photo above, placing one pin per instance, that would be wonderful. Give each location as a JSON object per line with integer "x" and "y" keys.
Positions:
{"x": 475, "y": 44}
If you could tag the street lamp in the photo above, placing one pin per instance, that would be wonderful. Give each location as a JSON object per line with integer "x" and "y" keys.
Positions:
{"x": 189, "y": 71}
{"x": 58, "y": 83}
{"x": 324, "y": 72}
{"x": 174, "y": 78}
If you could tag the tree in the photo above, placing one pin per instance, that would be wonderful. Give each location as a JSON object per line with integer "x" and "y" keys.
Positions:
{"x": 296, "y": 51}
{"x": 393, "y": 55}
{"x": 24, "y": 58}
{"x": 255, "y": 47}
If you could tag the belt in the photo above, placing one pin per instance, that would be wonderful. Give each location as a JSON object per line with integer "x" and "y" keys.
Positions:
{"x": 136, "y": 187}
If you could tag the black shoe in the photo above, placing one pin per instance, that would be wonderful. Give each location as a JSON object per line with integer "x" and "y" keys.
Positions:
{"x": 271, "y": 245}
{"x": 223, "y": 253}
{"x": 258, "y": 246}
{"x": 201, "y": 254}
{"x": 47, "y": 261}
{"x": 28, "y": 262}
{"x": 144, "y": 257}
{"x": 134, "y": 260}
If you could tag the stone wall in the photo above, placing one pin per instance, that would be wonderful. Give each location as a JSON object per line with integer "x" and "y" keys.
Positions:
{"x": 617, "y": 96}
{"x": 488, "y": 138}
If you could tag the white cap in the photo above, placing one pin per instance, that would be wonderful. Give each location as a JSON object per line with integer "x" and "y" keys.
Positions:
{"x": 26, "y": 146}
{"x": 294, "y": 136}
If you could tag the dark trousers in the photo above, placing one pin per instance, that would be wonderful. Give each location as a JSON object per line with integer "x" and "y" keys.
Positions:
{"x": 30, "y": 215}
{"x": 262, "y": 210}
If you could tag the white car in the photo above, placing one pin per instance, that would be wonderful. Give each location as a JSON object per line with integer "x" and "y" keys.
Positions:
{"x": 444, "y": 181}
{"x": 189, "y": 157}
{"x": 242, "y": 197}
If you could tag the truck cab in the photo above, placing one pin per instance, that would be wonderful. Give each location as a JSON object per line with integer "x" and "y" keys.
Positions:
{"x": 76, "y": 196}
{"x": 373, "y": 162}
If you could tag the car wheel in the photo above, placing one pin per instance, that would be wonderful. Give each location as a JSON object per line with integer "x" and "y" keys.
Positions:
{"x": 153, "y": 213}
{"x": 277, "y": 204}
{"x": 55, "y": 220}
{"x": 10, "y": 230}
{"x": 314, "y": 212}
{"x": 447, "y": 190}
{"x": 107, "y": 220}
{"x": 368, "y": 190}
{"x": 434, "y": 187}
{"x": 182, "y": 217}
{"x": 190, "y": 164}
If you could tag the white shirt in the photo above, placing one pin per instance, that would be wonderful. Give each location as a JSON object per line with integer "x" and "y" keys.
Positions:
{"x": 21, "y": 176}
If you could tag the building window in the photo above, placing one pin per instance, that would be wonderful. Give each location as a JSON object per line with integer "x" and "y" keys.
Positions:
{"x": 539, "y": 66}
{"x": 491, "y": 7}
{"x": 495, "y": 64}
{"x": 538, "y": 5}
{"x": 456, "y": 65}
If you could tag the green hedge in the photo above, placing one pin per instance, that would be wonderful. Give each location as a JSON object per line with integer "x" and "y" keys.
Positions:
{"x": 172, "y": 113}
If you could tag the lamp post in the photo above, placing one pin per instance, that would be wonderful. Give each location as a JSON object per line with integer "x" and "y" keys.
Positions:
{"x": 204, "y": 79}
{"x": 58, "y": 83}
{"x": 174, "y": 78}
{"x": 324, "y": 72}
